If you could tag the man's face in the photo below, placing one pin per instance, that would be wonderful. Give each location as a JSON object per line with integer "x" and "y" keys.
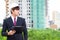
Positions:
{"x": 15, "y": 12}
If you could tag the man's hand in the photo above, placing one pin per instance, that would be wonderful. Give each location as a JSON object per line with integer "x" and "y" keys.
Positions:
{"x": 11, "y": 32}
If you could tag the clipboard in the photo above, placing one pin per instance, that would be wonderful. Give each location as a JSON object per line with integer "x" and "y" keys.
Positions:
{"x": 18, "y": 29}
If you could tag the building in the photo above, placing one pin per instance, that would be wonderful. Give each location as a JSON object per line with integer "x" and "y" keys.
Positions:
{"x": 38, "y": 13}
{"x": 32, "y": 10}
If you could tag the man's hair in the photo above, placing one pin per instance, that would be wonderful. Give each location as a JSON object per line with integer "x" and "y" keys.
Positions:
{"x": 15, "y": 8}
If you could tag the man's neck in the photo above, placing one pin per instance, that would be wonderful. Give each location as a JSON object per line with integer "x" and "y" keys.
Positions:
{"x": 14, "y": 16}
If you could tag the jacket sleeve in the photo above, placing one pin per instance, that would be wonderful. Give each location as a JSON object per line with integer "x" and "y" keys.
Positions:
{"x": 4, "y": 28}
{"x": 25, "y": 31}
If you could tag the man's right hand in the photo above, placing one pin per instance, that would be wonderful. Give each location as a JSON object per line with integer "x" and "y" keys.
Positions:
{"x": 11, "y": 32}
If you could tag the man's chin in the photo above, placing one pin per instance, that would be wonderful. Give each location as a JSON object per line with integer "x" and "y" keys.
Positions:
{"x": 17, "y": 15}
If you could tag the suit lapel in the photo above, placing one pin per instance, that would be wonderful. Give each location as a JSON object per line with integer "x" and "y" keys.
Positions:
{"x": 11, "y": 21}
{"x": 17, "y": 21}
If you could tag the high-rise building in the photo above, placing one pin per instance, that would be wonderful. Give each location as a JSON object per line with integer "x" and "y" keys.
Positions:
{"x": 33, "y": 11}
{"x": 38, "y": 13}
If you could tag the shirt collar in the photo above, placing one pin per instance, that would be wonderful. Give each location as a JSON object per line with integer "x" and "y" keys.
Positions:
{"x": 13, "y": 18}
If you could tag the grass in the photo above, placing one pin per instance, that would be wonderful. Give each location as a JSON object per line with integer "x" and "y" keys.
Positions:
{"x": 45, "y": 34}
{"x": 1, "y": 37}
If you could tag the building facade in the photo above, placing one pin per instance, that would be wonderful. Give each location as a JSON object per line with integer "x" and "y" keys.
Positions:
{"x": 32, "y": 10}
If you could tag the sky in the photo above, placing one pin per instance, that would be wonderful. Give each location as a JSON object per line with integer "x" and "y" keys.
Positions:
{"x": 2, "y": 10}
{"x": 53, "y": 6}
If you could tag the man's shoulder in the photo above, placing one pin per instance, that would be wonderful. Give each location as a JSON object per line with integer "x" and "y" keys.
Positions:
{"x": 7, "y": 18}
{"x": 21, "y": 18}
{"x": 10, "y": 18}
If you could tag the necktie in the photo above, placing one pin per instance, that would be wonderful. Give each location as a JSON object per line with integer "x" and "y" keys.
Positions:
{"x": 14, "y": 21}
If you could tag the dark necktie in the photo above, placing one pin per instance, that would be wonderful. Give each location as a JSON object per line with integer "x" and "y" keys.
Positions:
{"x": 14, "y": 21}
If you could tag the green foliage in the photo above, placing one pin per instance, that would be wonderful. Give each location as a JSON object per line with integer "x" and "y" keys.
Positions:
{"x": 1, "y": 37}
{"x": 45, "y": 34}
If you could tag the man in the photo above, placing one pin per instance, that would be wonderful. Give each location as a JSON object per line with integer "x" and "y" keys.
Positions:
{"x": 14, "y": 20}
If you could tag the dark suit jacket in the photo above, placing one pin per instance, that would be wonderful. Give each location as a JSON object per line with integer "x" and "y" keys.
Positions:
{"x": 8, "y": 23}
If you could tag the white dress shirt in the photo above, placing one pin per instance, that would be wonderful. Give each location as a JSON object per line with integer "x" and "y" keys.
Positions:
{"x": 13, "y": 18}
